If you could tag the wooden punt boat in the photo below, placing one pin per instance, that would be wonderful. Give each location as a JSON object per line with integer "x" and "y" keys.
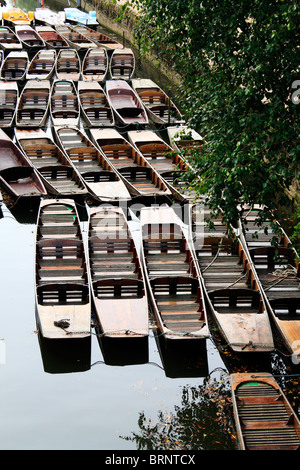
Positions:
{"x": 126, "y": 104}
{"x": 57, "y": 173}
{"x": 14, "y": 66}
{"x": 48, "y": 17}
{"x": 160, "y": 108}
{"x": 16, "y": 16}
{"x": 183, "y": 139}
{"x": 68, "y": 65}
{"x": 9, "y": 40}
{"x": 232, "y": 293}
{"x": 75, "y": 39}
{"x": 73, "y": 15}
{"x": 170, "y": 165}
{"x": 122, "y": 64}
{"x": 9, "y": 97}
{"x": 17, "y": 175}
{"x": 277, "y": 271}
{"x": 117, "y": 280}
{"x": 175, "y": 291}
{"x": 95, "y": 64}
{"x": 29, "y": 37}
{"x": 63, "y": 302}
{"x": 264, "y": 418}
{"x": 138, "y": 175}
{"x": 102, "y": 182}
{"x": 33, "y": 105}
{"x": 64, "y": 103}
{"x": 42, "y": 65}
{"x": 95, "y": 107}
{"x": 52, "y": 39}
{"x": 100, "y": 39}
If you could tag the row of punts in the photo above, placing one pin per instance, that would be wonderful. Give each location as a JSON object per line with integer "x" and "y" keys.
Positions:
{"x": 182, "y": 271}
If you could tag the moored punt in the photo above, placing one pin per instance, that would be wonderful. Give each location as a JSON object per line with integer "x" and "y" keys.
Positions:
{"x": 140, "y": 178}
{"x": 102, "y": 182}
{"x": 233, "y": 295}
{"x": 14, "y": 66}
{"x": 9, "y": 96}
{"x": 161, "y": 109}
{"x": 277, "y": 270}
{"x": 100, "y": 39}
{"x": 95, "y": 64}
{"x": 62, "y": 290}
{"x": 68, "y": 65}
{"x": 64, "y": 103}
{"x": 16, "y": 16}
{"x": 175, "y": 291}
{"x": 264, "y": 418}
{"x": 8, "y": 40}
{"x": 126, "y": 104}
{"x": 184, "y": 139}
{"x": 30, "y": 39}
{"x": 58, "y": 174}
{"x": 170, "y": 165}
{"x": 42, "y": 65}
{"x": 33, "y": 105}
{"x": 122, "y": 64}
{"x": 117, "y": 279}
{"x": 76, "y": 40}
{"x": 52, "y": 38}
{"x": 76, "y": 16}
{"x": 95, "y": 108}
{"x": 48, "y": 17}
{"x": 17, "y": 175}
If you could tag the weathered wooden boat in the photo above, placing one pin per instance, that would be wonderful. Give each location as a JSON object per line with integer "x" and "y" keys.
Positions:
{"x": 16, "y": 16}
{"x": 64, "y": 103}
{"x": 138, "y": 175}
{"x": 175, "y": 291}
{"x": 277, "y": 270}
{"x": 117, "y": 280}
{"x": 102, "y": 182}
{"x": 126, "y": 104}
{"x": 97, "y": 37}
{"x": 73, "y": 15}
{"x": 9, "y": 40}
{"x": 9, "y": 96}
{"x": 183, "y": 139}
{"x": 57, "y": 172}
{"x": 17, "y": 175}
{"x": 42, "y": 65}
{"x": 29, "y": 37}
{"x": 170, "y": 165}
{"x": 95, "y": 64}
{"x": 160, "y": 107}
{"x": 48, "y": 17}
{"x": 52, "y": 38}
{"x": 122, "y": 64}
{"x": 14, "y": 66}
{"x": 33, "y": 105}
{"x": 233, "y": 295}
{"x": 95, "y": 107}
{"x": 264, "y": 418}
{"x": 68, "y": 65}
{"x": 75, "y": 39}
{"x": 63, "y": 304}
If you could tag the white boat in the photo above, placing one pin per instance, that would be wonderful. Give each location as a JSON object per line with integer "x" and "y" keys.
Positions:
{"x": 68, "y": 65}
{"x": 9, "y": 97}
{"x": 9, "y": 40}
{"x": 122, "y": 64}
{"x": 33, "y": 105}
{"x": 95, "y": 64}
{"x": 64, "y": 103}
{"x": 81, "y": 17}
{"x": 42, "y": 65}
{"x": 48, "y": 17}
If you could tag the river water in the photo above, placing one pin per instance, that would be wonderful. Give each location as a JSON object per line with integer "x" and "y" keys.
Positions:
{"x": 94, "y": 397}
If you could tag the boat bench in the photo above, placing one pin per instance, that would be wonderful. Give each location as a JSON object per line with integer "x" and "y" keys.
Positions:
{"x": 92, "y": 99}
{"x": 118, "y": 152}
{"x": 8, "y": 99}
{"x": 6, "y": 116}
{"x": 41, "y": 154}
{"x": 34, "y": 98}
{"x": 154, "y": 97}
{"x": 161, "y": 245}
{"x": 63, "y": 293}
{"x": 119, "y": 288}
{"x": 236, "y": 301}
{"x": 272, "y": 257}
{"x": 59, "y": 249}
{"x": 64, "y": 102}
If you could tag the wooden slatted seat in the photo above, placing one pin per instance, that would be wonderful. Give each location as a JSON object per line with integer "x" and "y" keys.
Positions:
{"x": 119, "y": 288}
{"x": 62, "y": 294}
{"x": 229, "y": 301}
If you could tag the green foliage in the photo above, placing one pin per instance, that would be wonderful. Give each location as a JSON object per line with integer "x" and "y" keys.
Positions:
{"x": 238, "y": 62}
